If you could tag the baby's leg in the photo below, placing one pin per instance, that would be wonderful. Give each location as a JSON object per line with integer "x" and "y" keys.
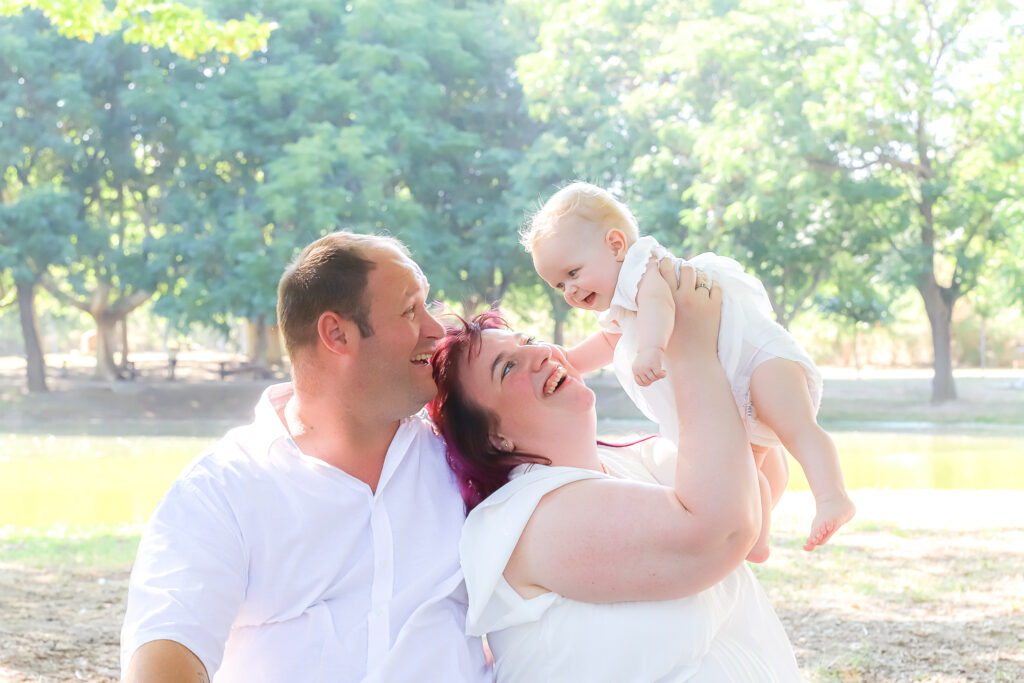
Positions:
{"x": 760, "y": 551}
{"x": 778, "y": 390}
{"x": 771, "y": 460}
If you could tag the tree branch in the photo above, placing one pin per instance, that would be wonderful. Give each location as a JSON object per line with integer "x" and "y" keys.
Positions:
{"x": 50, "y": 286}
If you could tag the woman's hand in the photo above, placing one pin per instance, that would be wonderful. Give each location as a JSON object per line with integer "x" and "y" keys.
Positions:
{"x": 698, "y": 311}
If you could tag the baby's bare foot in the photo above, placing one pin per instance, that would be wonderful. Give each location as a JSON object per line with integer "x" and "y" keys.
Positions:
{"x": 831, "y": 514}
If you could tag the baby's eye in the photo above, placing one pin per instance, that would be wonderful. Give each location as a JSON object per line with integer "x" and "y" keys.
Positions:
{"x": 560, "y": 285}
{"x": 573, "y": 272}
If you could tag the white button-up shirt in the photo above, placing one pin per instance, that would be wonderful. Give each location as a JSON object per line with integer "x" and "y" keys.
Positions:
{"x": 271, "y": 565}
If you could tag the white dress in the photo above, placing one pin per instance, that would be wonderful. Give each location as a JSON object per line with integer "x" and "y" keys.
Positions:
{"x": 726, "y": 633}
{"x": 747, "y": 337}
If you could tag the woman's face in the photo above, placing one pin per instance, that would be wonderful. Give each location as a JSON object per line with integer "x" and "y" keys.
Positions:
{"x": 541, "y": 402}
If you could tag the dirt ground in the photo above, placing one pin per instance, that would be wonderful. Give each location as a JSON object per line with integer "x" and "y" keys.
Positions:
{"x": 923, "y": 586}
{"x": 880, "y": 605}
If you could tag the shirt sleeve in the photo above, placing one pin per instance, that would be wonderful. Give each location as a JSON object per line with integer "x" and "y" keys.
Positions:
{"x": 189, "y": 576}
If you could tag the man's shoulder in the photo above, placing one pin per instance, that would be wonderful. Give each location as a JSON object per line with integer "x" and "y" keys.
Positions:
{"x": 240, "y": 451}
{"x": 424, "y": 429}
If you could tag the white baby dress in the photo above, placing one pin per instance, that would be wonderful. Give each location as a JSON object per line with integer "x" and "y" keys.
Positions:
{"x": 747, "y": 337}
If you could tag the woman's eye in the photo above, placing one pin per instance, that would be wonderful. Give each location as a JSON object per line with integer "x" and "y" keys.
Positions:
{"x": 507, "y": 369}
{"x": 529, "y": 340}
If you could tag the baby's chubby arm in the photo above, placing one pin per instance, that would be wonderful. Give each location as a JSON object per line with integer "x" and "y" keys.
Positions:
{"x": 655, "y": 313}
{"x": 596, "y": 351}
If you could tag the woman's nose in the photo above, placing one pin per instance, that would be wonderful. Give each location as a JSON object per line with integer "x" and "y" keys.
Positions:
{"x": 541, "y": 353}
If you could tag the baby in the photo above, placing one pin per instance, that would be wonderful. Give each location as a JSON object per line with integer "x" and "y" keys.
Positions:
{"x": 586, "y": 244}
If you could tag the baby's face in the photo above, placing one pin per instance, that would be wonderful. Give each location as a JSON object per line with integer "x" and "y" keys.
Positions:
{"x": 580, "y": 260}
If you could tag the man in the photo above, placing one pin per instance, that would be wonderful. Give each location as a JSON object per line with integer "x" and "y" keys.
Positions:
{"x": 319, "y": 542}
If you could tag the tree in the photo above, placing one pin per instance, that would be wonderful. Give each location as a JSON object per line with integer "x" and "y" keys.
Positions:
{"x": 48, "y": 99}
{"x": 391, "y": 115}
{"x": 37, "y": 213}
{"x": 913, "y": 98}
{"x": 31, "y": 231}
{"x": 109, "y": 136}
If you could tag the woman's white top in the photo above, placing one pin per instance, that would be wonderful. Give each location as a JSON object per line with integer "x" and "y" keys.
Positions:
{"x": 748, "y": 336}
{"x": 726, "y": 633}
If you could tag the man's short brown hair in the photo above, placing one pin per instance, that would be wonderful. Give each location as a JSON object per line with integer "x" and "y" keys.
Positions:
{"x": 329, "y": 275}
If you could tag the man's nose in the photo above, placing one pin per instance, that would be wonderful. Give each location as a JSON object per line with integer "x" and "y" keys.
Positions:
{"x": 432, "y": 328}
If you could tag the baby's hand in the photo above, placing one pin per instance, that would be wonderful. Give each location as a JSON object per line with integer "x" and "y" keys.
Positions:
{"x": 647, "y": 367}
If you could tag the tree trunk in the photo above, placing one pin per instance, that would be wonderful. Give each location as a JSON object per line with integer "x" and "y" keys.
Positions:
{"x": 559, "y": 314}
{"x": 275, "y": 350}
{"x": 123, "y": 328}
{"x": 106, "y": 334}
{"x": 34, "y": 359}
{"x": 982, "y": 352}
{"x": 259, "y": 344}
{"x": 856, "y": 351}
{"x": 940, "y": 316}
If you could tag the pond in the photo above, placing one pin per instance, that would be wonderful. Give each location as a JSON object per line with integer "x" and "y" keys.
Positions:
{"x": 84, "y": 480}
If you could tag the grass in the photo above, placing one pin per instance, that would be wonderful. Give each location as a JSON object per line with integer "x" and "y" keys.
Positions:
{"x": 96, "y": 547}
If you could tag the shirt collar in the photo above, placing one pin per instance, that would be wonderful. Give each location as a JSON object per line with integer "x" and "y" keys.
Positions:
{"x": 270, "y": 431}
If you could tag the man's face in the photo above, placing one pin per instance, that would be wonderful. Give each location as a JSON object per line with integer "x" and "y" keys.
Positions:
{"x": 394, "y": 361}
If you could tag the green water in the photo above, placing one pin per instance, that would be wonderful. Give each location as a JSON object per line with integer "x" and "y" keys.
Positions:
{"x": 64, "y": 479}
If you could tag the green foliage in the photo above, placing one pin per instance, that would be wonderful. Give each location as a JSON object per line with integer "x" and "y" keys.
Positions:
{"x": 186, "y": 31}
{"x": 842, "y": 152}
{"x": 394, "y": 116}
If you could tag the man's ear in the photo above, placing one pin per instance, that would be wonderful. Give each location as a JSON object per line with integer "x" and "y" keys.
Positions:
{"x": 337, "y": 334}
{"x": 616, "y": 241}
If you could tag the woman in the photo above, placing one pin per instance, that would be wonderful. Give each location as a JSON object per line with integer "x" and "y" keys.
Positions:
{"x": 575, "y": 573}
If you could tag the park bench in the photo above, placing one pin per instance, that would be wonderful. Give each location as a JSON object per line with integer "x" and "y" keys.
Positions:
{"x": 227, "y": 369}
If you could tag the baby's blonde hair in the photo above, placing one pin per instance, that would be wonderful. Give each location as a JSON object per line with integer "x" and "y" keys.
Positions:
{"x": 582, "y": 199}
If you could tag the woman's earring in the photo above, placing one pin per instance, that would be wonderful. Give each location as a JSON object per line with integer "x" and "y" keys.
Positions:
{"x": 508, "y": 445}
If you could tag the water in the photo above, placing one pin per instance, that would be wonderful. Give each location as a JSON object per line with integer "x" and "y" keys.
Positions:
{"x": 68, "y": 479}
{"x": 64, "y": 479}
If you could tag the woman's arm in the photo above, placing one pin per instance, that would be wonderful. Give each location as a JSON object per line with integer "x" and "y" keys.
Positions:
{"x": 603, "y": 540}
